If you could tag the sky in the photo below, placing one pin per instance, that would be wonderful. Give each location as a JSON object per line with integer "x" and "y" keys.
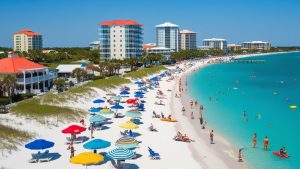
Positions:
{"x": 75, "y": 23}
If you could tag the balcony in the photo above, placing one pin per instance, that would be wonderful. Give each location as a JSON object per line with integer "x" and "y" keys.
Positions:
{"x": 36, "y": 79}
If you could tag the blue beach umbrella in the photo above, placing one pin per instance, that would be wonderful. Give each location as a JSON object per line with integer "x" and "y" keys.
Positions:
{"x": 116, "y": 107}
{"x": 139, "y": 95}
{"x": 139, "y": 92}
{"x": 96, "y": 144}
{"x": 98, "y": 101}
{"x": 95, "y": 110}
{"x": 139, "y": 83}
{"x": 154, "y": 79}
{"x": 124, "y": 92}
{"x": 97, "y": 118}
{"x": 39, "y": 144}
{"x": 120, "y": 154}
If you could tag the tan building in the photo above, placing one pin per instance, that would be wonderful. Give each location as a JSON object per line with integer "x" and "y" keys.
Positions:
{"x": 188, "y": 40}
{"x": 26, "y": 40}
{"x": 234, "y": 47}
{"x": 260, "y": 45}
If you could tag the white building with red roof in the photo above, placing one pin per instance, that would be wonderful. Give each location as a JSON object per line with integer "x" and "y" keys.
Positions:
{"x": 26, "y": 40}
{"x": 31, "y": 77}
{"x": 120, "y": 39}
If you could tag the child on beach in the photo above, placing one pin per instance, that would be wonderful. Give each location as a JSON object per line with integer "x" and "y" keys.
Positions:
{"x": 240, "y": 155}
{"x": 203, "y": 125}
{"x": 211, "y": 135}
{"x": 72, "y": 150}
{"x": 254, "y": 140}
{"x": 81, "y": 122}
{"x": 266, "y": 143}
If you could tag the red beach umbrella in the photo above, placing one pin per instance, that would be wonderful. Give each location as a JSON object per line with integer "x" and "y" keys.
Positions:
{"x": 73, "y": 129}
{"x": 131, "y": 101}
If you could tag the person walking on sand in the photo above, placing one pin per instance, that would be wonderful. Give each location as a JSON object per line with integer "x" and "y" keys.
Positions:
{"x": 92, "y": 130}
{"x": 183, "y": 110}
{"x": 266, "y": 143}
{"x": 192, "y": 115}
{"x": 254, "y": 140}
{"x": 211, "y": 135}
{"x": 240, "y": 156}
{"x": 72, "y": 150}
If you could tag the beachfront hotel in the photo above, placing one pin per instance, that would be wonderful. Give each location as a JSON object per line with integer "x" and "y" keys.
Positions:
{"x": 31, "y": 77}
{"x": 120, "y": 39}
{"x": 256, "y": 45}
{"x": 168, "y": 36}
{"x": 215, "y": 43}
{"x": 94, "y": 45}
{"x": 234, "y": 47}
{"x": 26, "y": 40}
{"x": 188, "y": 40}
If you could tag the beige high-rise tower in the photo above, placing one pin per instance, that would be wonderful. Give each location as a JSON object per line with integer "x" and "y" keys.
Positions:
{"x": 188, "y": 40}
{"x": 26, "y": 40}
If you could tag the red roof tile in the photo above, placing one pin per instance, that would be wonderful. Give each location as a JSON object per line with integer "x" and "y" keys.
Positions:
{"x": 120, "y": 23}
{"x": 16, "y": 65}
{"x": 28, "y": 32}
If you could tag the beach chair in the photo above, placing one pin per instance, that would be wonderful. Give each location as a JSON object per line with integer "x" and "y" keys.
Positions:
{"x": 34, "y": 158}
{"x": 153, "y": 155}
{"x": 131, "y": 134}
{"x": 45, "y": 157}
{"x": 78, "y": 140}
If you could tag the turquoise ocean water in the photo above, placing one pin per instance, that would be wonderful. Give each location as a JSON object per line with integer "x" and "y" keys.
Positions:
{"x": 265, "y": 91}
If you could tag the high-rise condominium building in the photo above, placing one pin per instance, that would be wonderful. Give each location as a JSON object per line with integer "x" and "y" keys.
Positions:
{"x": 26, "y": 40}
{"x": 167, "y": 35}
{"x": 256, "y": 45}
{"x": 120, "y": 39}
{"x": 215, "y": 43}
{"x": 188, "y": 40}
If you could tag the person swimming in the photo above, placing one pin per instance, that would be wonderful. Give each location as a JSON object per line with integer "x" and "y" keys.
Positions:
{"x": 283, "y": 152}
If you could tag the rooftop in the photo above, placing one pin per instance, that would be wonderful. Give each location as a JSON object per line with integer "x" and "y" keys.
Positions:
{"x": 68, "y": 68}
{"x": 186, "y": 31}
{"x": 15, "y": 65}
{"x": 166, "y": 24}
{"x": 28, "y": 32}
{"x": 120, "y": 23}
{"x": 256, "y": 42}
{"x": 214, "y": 39}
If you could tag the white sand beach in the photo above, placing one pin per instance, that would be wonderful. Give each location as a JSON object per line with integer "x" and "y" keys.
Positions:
{"x": 174, "y": 154}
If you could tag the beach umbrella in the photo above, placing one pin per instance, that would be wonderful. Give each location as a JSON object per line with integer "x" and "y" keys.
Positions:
{"x": 129, "y": 125}
{"x": 105, "y": 111}
{"x": 87, "y": 158}
{"x": 133, "y": 114}
{"x": 127, "y": 142}
{"x": 124, "y": 92}
{"x": 117, "y": 107}
{"x": 95, "y": 110}
{"x": 139, "y": 83}
{"x": 138, "y": 92}
{"x": 131, "y": 101}
{"x": 154, "y": 79}
{"x": 39, "y": 144}
{"x": 139, "y": 95}
{"x": 73, "y": 129}
{"x": 97, "y": 118}
{"x": 120, "y": 154}
{"x": 117, "y": 98}
{"x": 98, "y": 101}
{"x": 96, "y": 144}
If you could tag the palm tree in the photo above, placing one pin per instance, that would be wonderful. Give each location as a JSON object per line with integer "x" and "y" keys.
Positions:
{"x": 8, "y": 85}
{"x": 79, "y": 74}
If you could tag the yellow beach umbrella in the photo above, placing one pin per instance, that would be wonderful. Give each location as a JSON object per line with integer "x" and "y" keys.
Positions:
{"x": 87, "y": 158}
{"x": 105, "y": 111}
{"x": 129, "y": 125}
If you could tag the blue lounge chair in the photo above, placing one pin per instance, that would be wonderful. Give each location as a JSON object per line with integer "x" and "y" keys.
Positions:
{"x": 131, "y": 133}
{"x": 153, "y": 154}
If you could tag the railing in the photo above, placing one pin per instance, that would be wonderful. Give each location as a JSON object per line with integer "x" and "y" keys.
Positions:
{"x": 36, "y": 79}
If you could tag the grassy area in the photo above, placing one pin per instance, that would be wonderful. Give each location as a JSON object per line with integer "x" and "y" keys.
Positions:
{"x": 11, "y": 138}
{"x": 110, "y": 82}
{"x": 33, "y": 109}
{"x": 141, "y": 73}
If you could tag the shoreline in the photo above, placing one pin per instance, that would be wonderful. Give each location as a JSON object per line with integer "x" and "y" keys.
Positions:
{"x": 223, "y": 149}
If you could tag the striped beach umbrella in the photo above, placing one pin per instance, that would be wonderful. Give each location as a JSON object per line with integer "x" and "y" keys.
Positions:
{"x": 127, "y": 142}
{"x": 120, "y": 154}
